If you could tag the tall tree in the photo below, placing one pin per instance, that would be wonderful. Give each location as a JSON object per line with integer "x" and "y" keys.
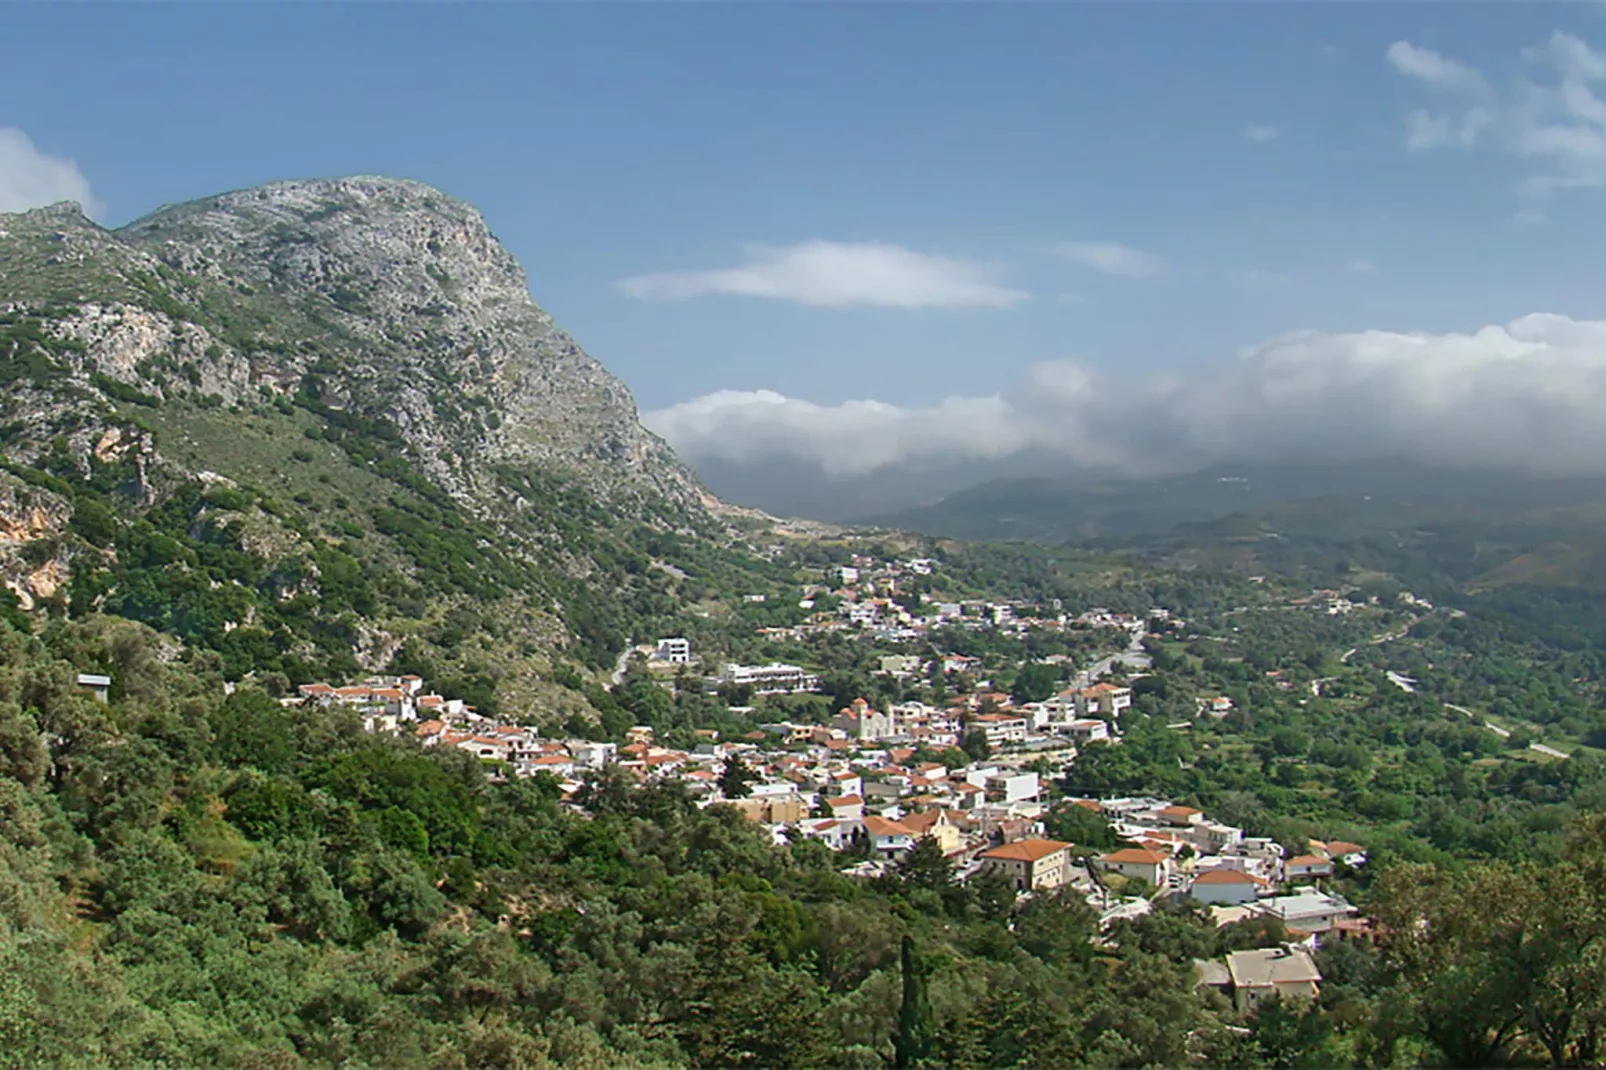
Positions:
{"x": 925, "y": 866}
{"x": 736, "y": 778}
{"x": 915, "y": 1029}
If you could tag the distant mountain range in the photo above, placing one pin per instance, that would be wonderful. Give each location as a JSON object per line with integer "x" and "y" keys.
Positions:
{"x": 1476, "y": 528}
{"x": 1080, "y": 509}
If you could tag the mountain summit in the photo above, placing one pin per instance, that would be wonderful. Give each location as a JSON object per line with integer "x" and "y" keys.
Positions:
{"x": 434, "y": 315}
{"x": 335, "y": 377}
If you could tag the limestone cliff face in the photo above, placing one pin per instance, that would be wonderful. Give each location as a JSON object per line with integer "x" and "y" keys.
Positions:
{"x": 296, "y": 422}
{"x": 34, "y": 558}
{"x": 435, "y": 318}
{"x": 387, "y": 296}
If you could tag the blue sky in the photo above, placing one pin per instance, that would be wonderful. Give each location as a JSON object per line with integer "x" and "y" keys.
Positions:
{"x": 906, "y": 203}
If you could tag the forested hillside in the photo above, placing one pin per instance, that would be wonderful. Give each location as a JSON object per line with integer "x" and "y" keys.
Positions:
{"x": 308, "y": 424}
{"x": 193, "y": 880}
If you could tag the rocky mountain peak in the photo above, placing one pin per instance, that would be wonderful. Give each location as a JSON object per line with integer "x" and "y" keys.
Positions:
{"x": 303, "y": 419}
{"x": 409, "y": 307}
{"x": 401, "y": 242}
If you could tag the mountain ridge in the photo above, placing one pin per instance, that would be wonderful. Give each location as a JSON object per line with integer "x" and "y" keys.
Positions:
{"x": 234, "y": 406}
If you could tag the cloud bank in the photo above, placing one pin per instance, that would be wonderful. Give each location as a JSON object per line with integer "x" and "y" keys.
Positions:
{"x": 836, "y": 275}
{"x": 1554, "y": 119}
{"x": 1530, "y": 393}
{"x": 32, "y": 179}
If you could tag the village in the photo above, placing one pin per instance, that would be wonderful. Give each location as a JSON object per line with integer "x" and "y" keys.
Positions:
{"x": 853, "y": 787}
{"x": 864, "y": 784}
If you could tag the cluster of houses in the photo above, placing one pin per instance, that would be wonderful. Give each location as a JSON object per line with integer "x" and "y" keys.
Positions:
{"x": 855, "y": 785}
{"x": 1029, "y": 733}
{"x": 1178, "y": 848}
{"x": 399, "y": 704}
{"x": 885, "y": 600}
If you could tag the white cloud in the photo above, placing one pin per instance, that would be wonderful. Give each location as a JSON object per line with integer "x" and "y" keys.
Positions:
{"x": 30, "y": 178}
{"x": 1426, "y": 65}
{"x": 1528, "y": 393}
{"x": 1261, "y": 132}
{"x": 838, "y": 274}
{"x": 1556, "y": 122}
{"x": 1112, "y": 258}
{"x": 1360, "y": 267}
{"x": 853, "y": 437}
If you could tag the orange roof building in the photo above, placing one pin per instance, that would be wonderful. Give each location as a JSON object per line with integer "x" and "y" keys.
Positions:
{"x": 1025, "y": 850}
{"x": 1031, "y": 864}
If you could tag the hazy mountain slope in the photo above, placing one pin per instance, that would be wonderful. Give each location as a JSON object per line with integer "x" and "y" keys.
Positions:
{"x": 304, "y": 423}
{"x": 1480, "y": 529}
{"x": 1083, "y": 507}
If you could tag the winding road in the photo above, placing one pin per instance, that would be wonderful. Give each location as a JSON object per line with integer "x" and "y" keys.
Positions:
{"x": 1133, "y": 656}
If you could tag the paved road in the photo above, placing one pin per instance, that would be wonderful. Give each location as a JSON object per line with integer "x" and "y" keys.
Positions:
{"x": 622, "y": 664}
{"x": 1404, "y": 683}
{"x": 1134, "y": 656}
{"x": 1505, "y": 733}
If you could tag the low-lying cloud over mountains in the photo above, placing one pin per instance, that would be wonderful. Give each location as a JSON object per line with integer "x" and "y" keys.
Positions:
{"x": 1530, "y": 394}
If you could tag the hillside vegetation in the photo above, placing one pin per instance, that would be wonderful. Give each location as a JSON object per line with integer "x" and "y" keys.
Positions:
{"x": 317, "y": 429}
{"x": 309, "y": 424}
{"x": 193, "y": 880}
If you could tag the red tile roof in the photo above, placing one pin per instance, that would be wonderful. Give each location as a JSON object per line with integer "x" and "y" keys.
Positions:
{"x": 1228, "y": 876}
{"x": 1309, "y": 860}
{"x": 1025, "y": 850}
{"x": 880, "y": 826}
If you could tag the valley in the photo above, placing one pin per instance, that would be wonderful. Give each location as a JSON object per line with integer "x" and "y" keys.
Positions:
{"x": 376, "y": 691}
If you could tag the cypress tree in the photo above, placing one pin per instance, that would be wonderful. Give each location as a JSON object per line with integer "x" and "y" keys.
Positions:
{"x": 915, "y": 1028}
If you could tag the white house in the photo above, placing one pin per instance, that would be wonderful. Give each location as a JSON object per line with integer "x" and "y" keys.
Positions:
{"x": 1307, "y": 867}
{"x": 844, "y": 783}
{"x": 1309, "y": 911}
{"x": 860, "y": 612}
{"x": 775, "y": 678}
{"x": 675, "y": 651}
{"x": 1011, "y": 787}
{"x": 828, "y": 830}
{"x": 1085, "y": 730}
{"x": 1104, "y": 699}
{"x": 594, "y": 755}
{"x": 1140, "y": 862}
{"x": 952, "y": 663}
{"x": 1228, "y": 887}
{"x": 888, "y": 837}
{"x": 846, "y": 807}
{"x": 1000, "y": 728}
